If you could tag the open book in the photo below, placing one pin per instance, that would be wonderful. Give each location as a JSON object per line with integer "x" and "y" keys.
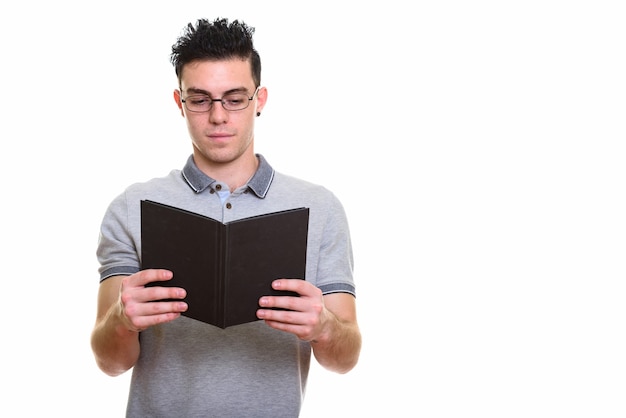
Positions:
{"x": 225, "y": 268}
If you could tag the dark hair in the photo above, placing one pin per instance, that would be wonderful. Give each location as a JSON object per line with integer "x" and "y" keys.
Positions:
{"x": 217, "y": 40}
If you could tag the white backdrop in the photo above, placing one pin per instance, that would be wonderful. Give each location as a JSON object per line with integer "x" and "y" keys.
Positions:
{"x": 477, "y": 147}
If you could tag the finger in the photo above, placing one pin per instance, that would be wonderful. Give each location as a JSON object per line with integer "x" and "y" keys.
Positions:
{"x": 159, "y": 308}
{"x": 141, "y": 323}
{"x": 144, "y": 277}
{"x": 291, "y": 303}
{"x": 282, "y": 316}
{"x": 299, "y": 286}
{"x": 142, "y": 315}
{"x": 131, "y": 292}
{"x": 161, "y": 293}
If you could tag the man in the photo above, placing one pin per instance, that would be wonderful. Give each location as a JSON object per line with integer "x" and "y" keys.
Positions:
{"x": 183, "y": 367}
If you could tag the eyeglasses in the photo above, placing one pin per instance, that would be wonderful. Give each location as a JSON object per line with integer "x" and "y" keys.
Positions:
{"x": 201, "y": 103}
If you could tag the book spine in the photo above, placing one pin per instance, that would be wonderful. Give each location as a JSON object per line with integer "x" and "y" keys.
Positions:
{"x": 220, "y": 283}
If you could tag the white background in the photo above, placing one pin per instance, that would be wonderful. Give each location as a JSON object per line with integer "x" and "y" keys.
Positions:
{"x": 477, "y": 148}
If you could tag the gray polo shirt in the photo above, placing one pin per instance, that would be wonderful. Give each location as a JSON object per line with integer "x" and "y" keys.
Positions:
{"x": 191, "y": 369}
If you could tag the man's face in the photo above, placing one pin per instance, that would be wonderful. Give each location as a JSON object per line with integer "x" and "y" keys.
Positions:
{"x": 220, "y": 136}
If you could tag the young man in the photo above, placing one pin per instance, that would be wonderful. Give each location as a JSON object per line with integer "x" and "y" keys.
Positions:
{"x": 183, "y": 367}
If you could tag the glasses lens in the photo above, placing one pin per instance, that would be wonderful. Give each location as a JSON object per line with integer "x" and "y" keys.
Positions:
{"x": 198, "y": 103}
{"x": 202, "y": 103}
{"x": 236, "y": 101}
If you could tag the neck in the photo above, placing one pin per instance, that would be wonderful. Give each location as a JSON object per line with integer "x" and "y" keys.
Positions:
{"x": 234, "y": 173}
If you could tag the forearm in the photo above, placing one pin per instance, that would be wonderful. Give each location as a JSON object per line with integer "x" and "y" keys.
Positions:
{"x": 338, "y": 348}
{"x": 115, "y": 347}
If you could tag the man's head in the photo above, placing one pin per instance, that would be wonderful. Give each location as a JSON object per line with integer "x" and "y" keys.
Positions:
{"x": 213, "y": 41}
{"x": 219, "y": 94}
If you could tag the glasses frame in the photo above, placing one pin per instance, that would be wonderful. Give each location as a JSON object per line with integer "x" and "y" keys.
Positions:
{"x": 184, "y": 101}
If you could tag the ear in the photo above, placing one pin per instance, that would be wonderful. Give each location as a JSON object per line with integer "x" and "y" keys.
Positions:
{"x": 179, "y": 102}
{"x": 261, "y": 98}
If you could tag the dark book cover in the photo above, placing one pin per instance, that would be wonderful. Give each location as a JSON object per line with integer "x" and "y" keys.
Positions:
{"x": 225, "y": 268}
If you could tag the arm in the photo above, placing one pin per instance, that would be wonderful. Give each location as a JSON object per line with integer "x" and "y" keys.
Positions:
{"x": 339, "y": 345}
{"x": 125, "y": 308}
{"x": 328, "y": 322}
{"x": 115, "y": 346}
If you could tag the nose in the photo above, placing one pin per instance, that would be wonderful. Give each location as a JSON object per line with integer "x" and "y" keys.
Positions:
{"x": 217, "y": 113}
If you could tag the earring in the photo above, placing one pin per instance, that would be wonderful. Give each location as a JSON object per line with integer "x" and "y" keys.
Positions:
{"x": 258, "y": 114}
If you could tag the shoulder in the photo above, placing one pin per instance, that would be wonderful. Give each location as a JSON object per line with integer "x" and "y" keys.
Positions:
{"x": 165, "y": 185}
{"x": 301, "y": 189}
{"x": 325, "y": 207}
{"x": 173, "y": 178}
{"x": 153, "y": 189}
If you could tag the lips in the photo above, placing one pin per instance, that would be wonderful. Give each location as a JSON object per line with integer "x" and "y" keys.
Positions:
{"x": 220, "y": 136}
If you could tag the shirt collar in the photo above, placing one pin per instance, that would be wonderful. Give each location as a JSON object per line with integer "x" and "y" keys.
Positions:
{"x": 259, "y": 183}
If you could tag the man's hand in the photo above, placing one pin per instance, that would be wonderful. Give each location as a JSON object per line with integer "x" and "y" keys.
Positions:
{"x": 141, "y": 306}
{"x": 305, "y": 316}
{"x": 328, "y": 322}
{"x": 126, "y": 307}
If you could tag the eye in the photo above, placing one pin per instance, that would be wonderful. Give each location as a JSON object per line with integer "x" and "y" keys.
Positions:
{"x": 198, "y": 100}
{"x": 234, "y": 100}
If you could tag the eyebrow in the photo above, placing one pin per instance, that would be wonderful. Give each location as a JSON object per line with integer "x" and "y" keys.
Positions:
{"x": 193, "y": 90}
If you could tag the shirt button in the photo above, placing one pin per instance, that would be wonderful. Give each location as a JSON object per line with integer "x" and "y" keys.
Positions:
{"x": 218, "y": 187}
{"x": 212, "y": 191}
{"x": 228, "y": 205}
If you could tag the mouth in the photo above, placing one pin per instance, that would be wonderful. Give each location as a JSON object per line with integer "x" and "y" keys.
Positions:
{"x": 220, "y": 136}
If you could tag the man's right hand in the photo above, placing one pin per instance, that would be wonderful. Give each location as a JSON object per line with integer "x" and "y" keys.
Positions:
{"x": 142, "y": 306}
{"x": 126, "y": 306}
